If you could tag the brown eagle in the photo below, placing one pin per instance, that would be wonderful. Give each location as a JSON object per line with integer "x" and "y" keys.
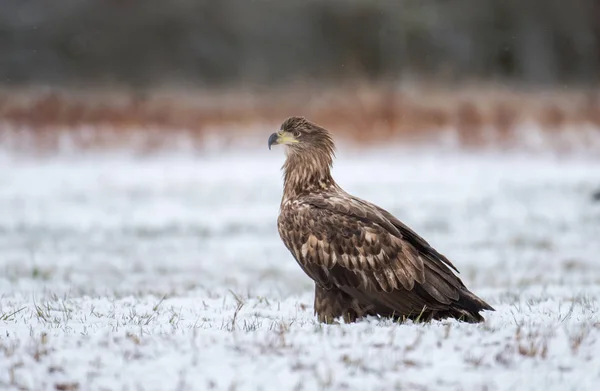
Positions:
{"x": 364, "y": 261}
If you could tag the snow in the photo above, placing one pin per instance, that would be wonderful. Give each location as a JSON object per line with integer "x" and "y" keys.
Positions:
{"x": 167, "y": 273}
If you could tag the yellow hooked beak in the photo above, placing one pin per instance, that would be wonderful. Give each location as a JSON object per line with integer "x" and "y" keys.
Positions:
{"x": 281, "y": 137}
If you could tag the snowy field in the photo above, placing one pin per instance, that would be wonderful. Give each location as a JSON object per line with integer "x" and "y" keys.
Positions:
{"x": 167, "y": 273}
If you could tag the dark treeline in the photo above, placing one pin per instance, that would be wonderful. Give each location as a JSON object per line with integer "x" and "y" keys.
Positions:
{"x": 212, "y": 43}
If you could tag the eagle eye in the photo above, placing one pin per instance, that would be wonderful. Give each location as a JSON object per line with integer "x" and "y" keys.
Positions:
{"x": 297, "y": 133}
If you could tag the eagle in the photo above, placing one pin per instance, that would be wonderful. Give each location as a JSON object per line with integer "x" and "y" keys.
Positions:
{"x": 363, "y": 260}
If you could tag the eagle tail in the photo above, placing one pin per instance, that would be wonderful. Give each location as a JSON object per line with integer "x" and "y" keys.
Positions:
{"x": 468, "y": 306}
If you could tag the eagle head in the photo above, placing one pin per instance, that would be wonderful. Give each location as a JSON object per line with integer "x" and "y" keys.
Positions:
{"x": 303, "y": 136}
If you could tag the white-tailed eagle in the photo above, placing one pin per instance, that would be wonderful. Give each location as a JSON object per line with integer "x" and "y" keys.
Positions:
{"x": 364, "y": 261}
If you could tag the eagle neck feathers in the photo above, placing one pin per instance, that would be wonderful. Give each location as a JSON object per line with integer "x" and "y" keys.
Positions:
{"x": 307, "y": 173}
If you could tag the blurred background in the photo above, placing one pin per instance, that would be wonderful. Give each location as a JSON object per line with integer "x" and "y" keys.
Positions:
{"x": 134, "y": 73}
{"x": 137, "y": 192}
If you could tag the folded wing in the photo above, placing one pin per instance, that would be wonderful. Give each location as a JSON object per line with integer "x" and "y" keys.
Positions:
{"x": 344, "y": 242}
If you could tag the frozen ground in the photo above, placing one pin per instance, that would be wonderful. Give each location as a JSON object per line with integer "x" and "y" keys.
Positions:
{"x": 167, "y": 273}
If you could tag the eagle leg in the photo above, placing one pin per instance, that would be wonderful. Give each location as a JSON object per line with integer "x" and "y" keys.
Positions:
{"x": 331, "y": 304}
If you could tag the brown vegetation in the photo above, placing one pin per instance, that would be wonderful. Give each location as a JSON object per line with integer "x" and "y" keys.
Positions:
{"x": 33, "y": 120}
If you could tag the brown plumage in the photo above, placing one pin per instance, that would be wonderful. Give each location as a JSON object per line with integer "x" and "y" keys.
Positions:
{"x": 363, "y": 260}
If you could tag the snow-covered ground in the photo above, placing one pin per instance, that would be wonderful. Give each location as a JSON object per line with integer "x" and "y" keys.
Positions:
{"x": 167, "y": 273}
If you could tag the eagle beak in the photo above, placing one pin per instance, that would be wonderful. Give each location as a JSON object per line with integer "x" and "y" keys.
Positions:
{"x": 273, "y": 140}
{"x": 281, "y": 138}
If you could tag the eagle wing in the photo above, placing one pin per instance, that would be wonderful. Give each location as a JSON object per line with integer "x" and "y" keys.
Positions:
{"x": 344, "y": 242}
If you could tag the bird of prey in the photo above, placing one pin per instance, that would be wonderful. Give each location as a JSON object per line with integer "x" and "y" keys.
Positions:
{"x": 363, "y": 260}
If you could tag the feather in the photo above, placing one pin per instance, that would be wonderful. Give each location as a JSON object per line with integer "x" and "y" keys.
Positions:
{"x": 363, "y": 259}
